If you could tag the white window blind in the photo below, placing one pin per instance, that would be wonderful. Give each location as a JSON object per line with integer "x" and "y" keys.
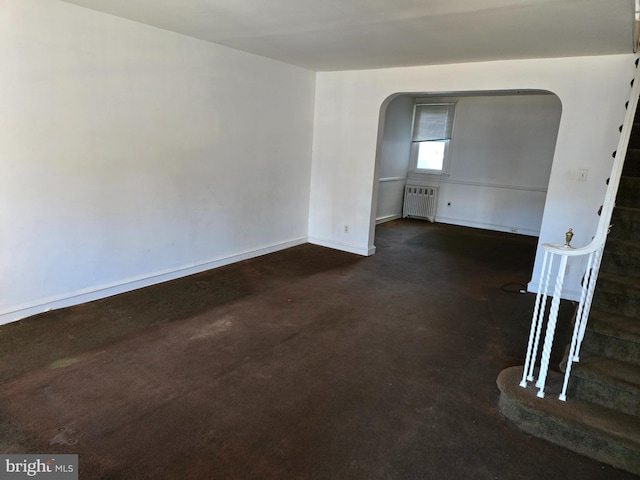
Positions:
{"x": 433, "y": 122}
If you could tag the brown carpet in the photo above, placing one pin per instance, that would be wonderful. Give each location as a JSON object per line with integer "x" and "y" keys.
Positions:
{"x": 303, "y": 364}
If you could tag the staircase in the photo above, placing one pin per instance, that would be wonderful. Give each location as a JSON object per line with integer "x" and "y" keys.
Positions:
{"x": 601, "y": 417}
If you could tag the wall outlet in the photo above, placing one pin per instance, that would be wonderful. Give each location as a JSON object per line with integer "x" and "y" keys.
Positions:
{"x": 346, "y": 229}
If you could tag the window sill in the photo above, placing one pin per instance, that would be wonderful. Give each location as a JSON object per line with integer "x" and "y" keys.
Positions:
{"x": 428, "y": 173}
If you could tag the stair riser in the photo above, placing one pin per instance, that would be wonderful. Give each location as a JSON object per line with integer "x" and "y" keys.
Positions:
{"x": 629, "y": 193}
{"x": 625, "y": 224}
{"x": 610, "y": 347}
{"x": 560, "y": 433}
{"x": 609, "y": 396}
{"x": 634, "y": 141}
{"x": 632, "y": 169}
{"x": 616, "y": 303}
{"x": 632, "y": 163}
{"x": 621, "y": 262}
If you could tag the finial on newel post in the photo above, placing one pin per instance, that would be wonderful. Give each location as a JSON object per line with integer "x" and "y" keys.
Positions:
{"x": 568, "y": 236}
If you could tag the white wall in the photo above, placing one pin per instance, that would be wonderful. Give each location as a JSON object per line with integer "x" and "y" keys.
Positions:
{"x": 344, "y": 177}
{"x": 394, "y": 157}
{"x": 500, "y": 160}
{"x": 132, "y": 155}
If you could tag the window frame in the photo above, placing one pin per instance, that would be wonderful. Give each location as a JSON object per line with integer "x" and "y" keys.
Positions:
{"x": 415, "y": 144}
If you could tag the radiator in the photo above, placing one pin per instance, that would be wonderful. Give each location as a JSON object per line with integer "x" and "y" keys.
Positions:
{"x": 420, "y": 202}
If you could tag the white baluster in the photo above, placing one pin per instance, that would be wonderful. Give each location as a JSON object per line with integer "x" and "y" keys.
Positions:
{"x": 597, "y": 258}
{"x": 581, "y": 314}
{"x": 583, "y": 310}
{"x": 551, "y": 328}
{"x": 543, "y": 309}
{"x": 535, "y": 320}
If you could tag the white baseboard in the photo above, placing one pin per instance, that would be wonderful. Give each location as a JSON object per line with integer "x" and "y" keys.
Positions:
{"x": 567, "y": 293}
{"x": 97, "y": 292}
{"x": 388, "y": 218}
{"x": 488, "y": 226}
{"x": 343, "y": 246}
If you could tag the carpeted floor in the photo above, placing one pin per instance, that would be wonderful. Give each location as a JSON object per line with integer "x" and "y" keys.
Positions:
{"x": 303, "y": 364}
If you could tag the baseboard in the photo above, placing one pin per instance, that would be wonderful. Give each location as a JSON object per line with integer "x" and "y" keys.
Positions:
{"x": 488, "y": 226}
{"x": 343, "y": 246}
{"x": 388, "y": 218}
{"x": 107, "y": 290}
{"x": 567, "y": 293}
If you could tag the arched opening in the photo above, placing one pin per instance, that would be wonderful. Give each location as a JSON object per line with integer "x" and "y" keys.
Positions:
{"x": 498, "y": 160}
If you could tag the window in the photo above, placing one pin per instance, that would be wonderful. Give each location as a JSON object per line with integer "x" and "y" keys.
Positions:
{"x": 432, "y": 128}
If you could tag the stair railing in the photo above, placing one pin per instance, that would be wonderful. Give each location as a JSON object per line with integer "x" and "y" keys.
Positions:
{"x": 555, "y": 262}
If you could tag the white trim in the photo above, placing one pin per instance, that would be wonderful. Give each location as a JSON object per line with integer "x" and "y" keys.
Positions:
{"x": 388, "y": 218}
{"x": 496, "y": 185}
{"x": 392, "y": 179}
{"x": 567, "y": 293}
{"x": 19, "y": 312}
{"x": 345, "y": 247}
{"x": 419, "y": 177}
{"x": 488, "y": 226}
{"x": 448, "y": 142}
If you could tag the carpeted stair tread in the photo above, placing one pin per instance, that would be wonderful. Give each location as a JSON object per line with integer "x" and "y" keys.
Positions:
{"x": 622, "y": 257}
{"x": 629, "y": 181}
{"x": 623, "y": 427}
{"x": 631, "y": 166}
{"x": 598, "y": 432}
{"x": 617, "y": 294}
{"x": 625, "y": 222}
{"x": 607, "y": 382}
{"x": 612, "y": 336}
{"x": 616, "y": 283}
{"x": 634, "y": 140}
{"x": 626, "y": 328}
{"x": 607, "y": 369}
{"x": 629, "y": 192}
{"x": 622, "y": 243}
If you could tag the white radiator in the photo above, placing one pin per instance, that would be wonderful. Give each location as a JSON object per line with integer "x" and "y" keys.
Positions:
{"x": 420, "y": 202}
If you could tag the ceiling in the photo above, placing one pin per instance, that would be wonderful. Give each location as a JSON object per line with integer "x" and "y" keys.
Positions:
{"x": 327, "y": 35}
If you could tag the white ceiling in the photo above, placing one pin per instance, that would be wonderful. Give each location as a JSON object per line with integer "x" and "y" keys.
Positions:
{"x": 356, "y": 34}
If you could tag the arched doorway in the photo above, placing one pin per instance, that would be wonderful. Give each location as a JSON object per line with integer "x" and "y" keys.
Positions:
{"x": 500, "y": 158}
